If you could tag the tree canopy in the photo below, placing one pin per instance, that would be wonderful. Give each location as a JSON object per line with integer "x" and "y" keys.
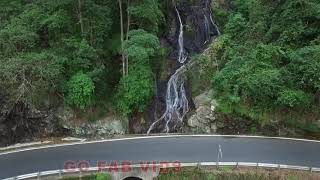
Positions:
{"x": 69, "y": 50}
{"x": 270, "y": 57}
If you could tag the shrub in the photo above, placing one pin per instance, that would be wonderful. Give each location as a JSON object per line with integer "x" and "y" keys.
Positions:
{"x": 293, "y": 98}
{"x": 80, "y": 89}
{"x": 103, "y": 176}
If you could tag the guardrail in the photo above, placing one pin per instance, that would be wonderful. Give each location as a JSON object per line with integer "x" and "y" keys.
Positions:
{"x": 61, "y": 173}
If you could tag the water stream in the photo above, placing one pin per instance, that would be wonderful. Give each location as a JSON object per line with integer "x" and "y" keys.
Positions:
{"x": 182, "y": 54}
{"x": 177, "y": 105}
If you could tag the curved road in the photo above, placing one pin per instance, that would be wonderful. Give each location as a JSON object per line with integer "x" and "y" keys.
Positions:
{"x": 171, "y": 148}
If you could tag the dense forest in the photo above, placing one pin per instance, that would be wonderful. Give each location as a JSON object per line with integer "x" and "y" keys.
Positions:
{"x": 269, "y": 55}
{"x": 96, "y": 56}
{"x": 73, "y": 51}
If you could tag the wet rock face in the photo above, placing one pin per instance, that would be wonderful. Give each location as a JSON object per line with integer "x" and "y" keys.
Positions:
{"x": 198, "y": 27}
{"x": 199, "y": 30}
{"x": 22, "y": 123}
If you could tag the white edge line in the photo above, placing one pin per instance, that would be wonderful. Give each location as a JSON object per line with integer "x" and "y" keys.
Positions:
{"x": 153, "y": 137}
{"x": 243, "y": 164}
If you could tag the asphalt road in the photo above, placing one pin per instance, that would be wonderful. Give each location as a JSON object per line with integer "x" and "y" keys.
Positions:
{"x": 183, "y": 149}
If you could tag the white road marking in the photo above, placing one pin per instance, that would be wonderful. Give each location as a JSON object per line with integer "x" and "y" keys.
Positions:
{"x": 24, "y": 145}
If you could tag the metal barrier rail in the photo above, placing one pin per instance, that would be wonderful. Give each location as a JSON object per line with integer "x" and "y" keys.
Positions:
{"x": 60, "y": 173}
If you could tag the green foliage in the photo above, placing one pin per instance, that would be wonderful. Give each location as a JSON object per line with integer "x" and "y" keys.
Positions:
{"x": 235, "y": 24}
{"x": 135, "y": 91}
{"x": 262, "y": 85}
{"x": 115, "y": 44}
{"x": 141, "y": 45}
{"x": 136, "y": 88}
{"x": 102, "y": 176}
{"x": 83, "y": 178}
{"x": 16, "y": 37}
{"x": 223, "y": 173}
{"x": 69, "y": 51}
{"x": 220, "y": 12}
{"x": 82, "y": 56}
{"x": 311, "y": 128}
{"x": 251, "y": 76}
{"x": 80, "y": 89}
{"x": 147, "y": 13}
{"x": 304, "y": 68}
{"x": 42, "y": 46}
{"x": 291, "y": 98}
{"x": 229, "y": 173}
{"x": 191, "y": 173}
{"x": 99, "y": 176}
{"x": 271, "y": 58}
{"x": 28, "y": 77}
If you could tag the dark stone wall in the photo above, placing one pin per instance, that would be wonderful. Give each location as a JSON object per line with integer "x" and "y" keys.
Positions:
{"x": 21, "y": 123}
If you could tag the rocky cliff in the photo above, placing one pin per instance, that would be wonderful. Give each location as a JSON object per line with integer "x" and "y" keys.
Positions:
{"x": 198, "y": 31}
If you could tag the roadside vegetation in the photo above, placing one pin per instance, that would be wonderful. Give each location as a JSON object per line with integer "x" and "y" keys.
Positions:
{"x": 225, "y": 173}
{"x": 97, "y": 56}
{"x": 89, "y": 55}
{"x": 268, "y": 59}
{"x": 100, "y": 176}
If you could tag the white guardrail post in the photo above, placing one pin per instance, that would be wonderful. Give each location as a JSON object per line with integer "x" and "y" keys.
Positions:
{"x": 39, "y": 175}
{"x": 60, "y": 174}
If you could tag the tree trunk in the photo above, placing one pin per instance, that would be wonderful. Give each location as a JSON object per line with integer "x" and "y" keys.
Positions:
{"x": 128, "y": 29}
{"x": 80, "y": 18}
{"x": 122, "y": 38}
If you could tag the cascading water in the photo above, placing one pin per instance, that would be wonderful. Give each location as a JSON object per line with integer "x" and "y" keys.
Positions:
{"x": 211, "y": 20}
{"x": 177, "y": 105}
{"x": 215, "y": 26}
{"x": 176, "y": 100}
{"x": 207, "y": 26}
{"x": 182, "y": 54}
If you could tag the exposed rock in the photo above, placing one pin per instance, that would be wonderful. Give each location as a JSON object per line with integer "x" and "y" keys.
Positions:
{"x": 109, "y": 126}
{"x": 137, "y": 124}
{"x": 65, "y": 115}
{"x": 23, "y": 123}
{"x": 203, "y": 99}
{"x": 204, "y": 120}
{"x": 214, "y": 127}
{"x": 199, "y": 30}
{"x": 73, "y": 139}
{"x": 318, "y": 123}
{"x": 193, "y": 14}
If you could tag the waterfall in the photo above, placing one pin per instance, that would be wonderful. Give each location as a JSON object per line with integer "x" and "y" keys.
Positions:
{"x": 211, "y": 20}
{"x": 207, "y": 3}
{"x": 177, "y": 105}
{"x": 182, "y": 54}
{"x": 214, "y": 25}
{"x": 207, "y": 27}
